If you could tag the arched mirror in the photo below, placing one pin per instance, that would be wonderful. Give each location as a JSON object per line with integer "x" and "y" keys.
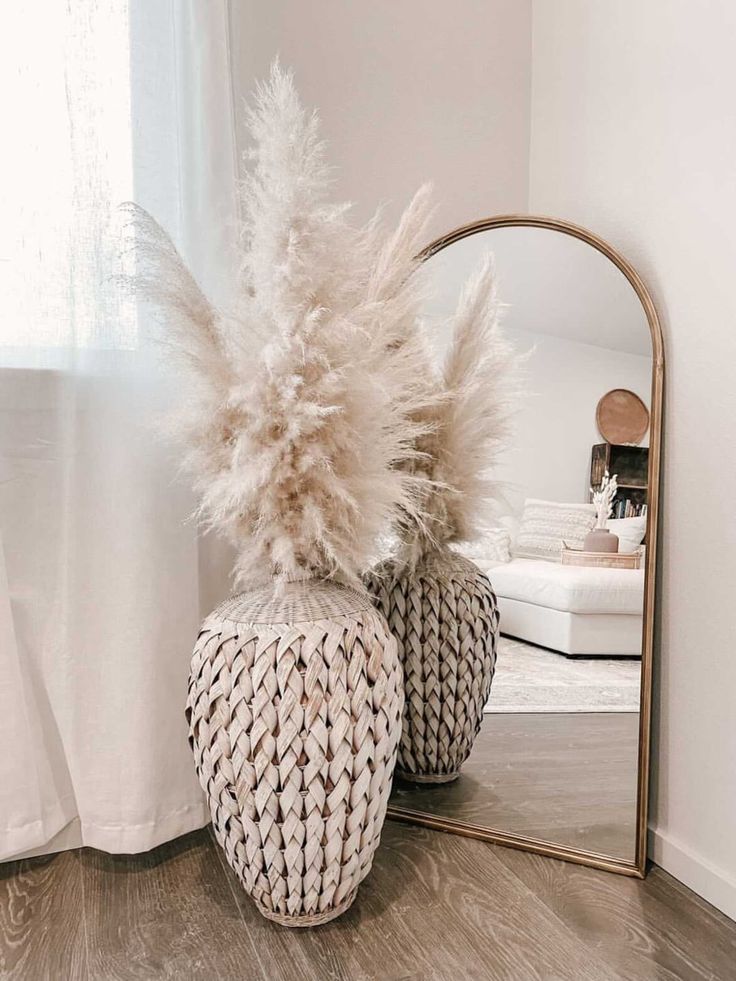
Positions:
{"x": 560, "y": 765}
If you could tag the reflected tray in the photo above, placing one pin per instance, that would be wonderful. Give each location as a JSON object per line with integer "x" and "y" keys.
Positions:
{"x": 601, "y": 560}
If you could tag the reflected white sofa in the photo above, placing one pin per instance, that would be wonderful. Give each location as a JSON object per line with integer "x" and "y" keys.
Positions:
{"x": 578, "y": 611}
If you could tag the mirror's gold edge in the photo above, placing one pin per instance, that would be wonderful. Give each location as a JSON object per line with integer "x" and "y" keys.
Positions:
{"x": 539, "y": 846}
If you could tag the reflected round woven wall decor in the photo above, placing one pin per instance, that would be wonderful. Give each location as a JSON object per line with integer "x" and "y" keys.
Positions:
{"x": 622, "y": 417}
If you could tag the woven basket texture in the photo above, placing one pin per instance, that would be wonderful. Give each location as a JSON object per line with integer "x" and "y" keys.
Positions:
{"x": 445, "y": 618}
{"x": 294, "y": 712}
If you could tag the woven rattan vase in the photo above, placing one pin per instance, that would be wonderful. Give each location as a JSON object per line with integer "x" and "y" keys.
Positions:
{"x": 294, "y": 711}
{"x": 445, "y": 618}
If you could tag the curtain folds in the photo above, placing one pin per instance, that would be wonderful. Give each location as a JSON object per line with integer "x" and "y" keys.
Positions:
{"x": 103, "y": 578}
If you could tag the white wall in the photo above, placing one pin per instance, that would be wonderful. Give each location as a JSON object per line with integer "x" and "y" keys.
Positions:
{"x": 633, "y": 135}
{"x": 407, "y": 92}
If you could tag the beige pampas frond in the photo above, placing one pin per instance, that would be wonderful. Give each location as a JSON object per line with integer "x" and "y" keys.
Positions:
{"x": 310, "y": 391}
{"x": 469, "y": 425}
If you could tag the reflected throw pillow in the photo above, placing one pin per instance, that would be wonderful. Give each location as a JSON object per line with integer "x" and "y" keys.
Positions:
{"x": 547, "y": 525}
{"x": 493, "y": 547}
{"x": 630, "y": 531}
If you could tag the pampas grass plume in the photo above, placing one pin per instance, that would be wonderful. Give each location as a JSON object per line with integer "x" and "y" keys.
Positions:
{"x": 304, "y": 402}
{"x": 469, "y": 426}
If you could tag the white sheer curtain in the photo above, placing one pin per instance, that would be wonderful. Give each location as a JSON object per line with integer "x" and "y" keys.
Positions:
{"x": 102, "y": 578}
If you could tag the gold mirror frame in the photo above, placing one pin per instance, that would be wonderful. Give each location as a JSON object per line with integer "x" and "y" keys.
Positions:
{"x": 637, "y": 868}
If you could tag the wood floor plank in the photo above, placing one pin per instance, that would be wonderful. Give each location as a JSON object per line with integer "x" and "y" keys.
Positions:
{"x": 436, "y": 907}
{"x": 656, "y": 928}
{"x": 166, "y": 914}
{"x": 41, "y": 920}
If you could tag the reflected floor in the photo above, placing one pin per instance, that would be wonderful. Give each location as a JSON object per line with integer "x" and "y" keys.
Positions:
{"x": 567, "y": 778}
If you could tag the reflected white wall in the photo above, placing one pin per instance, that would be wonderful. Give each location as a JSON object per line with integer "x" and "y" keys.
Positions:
{"x": 556, "y": 427}
{"x": 577, "y": 314}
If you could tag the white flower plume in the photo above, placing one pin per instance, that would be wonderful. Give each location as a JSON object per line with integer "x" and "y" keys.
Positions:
{"x": 469, "y": 425}
{"x": 603, "y": 498}
{"x": 303, "y": 399}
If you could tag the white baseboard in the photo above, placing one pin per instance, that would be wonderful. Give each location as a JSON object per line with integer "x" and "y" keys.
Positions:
{"x": 712, "y": 883}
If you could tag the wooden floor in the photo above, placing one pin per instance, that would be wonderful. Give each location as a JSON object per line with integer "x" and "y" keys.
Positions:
{"x": 436, "y": 906}
{"x": 564, "y": 777}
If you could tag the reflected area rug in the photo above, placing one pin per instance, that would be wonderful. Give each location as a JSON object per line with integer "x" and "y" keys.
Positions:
{"x": 534, "y": 679}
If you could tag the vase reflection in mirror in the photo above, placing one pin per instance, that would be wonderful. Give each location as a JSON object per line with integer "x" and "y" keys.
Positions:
{"x": 560, "y": 761}
{"x": 439, "y": 604}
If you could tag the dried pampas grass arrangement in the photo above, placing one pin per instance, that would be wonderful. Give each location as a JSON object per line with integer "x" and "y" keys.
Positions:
{"x": 302, "y": 423}
{"x": 440, "y": 606}
{"x": 304, "y": 396}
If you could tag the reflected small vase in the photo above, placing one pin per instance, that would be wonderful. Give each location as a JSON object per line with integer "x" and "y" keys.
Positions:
{"x": 600, "y": 540}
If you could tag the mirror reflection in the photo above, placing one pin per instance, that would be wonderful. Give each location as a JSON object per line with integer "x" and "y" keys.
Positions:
{"x": 557, "y": 754}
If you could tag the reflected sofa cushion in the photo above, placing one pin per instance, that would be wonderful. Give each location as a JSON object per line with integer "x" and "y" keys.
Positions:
{"x": 570, "y": 588}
